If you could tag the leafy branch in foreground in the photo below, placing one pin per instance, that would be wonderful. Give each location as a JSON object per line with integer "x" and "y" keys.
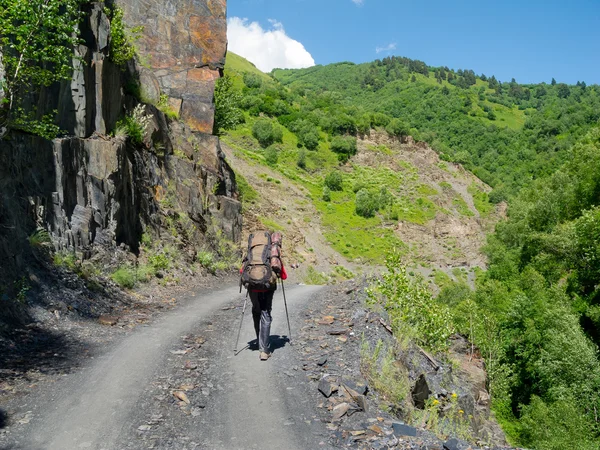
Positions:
{"x": 36, "y": 42}
{"x": 411, "y": 307}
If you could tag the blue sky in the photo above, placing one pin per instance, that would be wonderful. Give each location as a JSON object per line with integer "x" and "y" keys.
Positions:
{"x": 530, "y": 40}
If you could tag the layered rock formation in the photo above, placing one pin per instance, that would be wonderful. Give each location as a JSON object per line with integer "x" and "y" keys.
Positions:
{"x": 183, "y": 45}
{"x": 91, "y": 191}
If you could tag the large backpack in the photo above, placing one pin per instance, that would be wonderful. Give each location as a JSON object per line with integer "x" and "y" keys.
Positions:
{"x": 257, "y": 272}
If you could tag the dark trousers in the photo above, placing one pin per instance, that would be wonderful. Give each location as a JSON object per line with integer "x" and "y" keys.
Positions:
{"x": 262, "y": 303}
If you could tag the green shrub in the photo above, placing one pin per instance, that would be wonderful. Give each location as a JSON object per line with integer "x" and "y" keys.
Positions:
{"x": 271, "y": 155}
{"x": 206, "y": 259}
{"x": 326, "y": 194}
{"x": 333, "y": 180}
{"x": 134, "y": 125}
{"x": 252, "y": 80}
{"x": 122, "y": 41}
{"x": 397, "y": 127}
{"x": 556, "y": 426}
{"x": 344, "y": 146}
{"x": 366, "y": 203}
{"x": 228, "y": 114}
{"x": 160, "y": 261}
{"x": 301, "y": 162}
{"x": 410, "y": 305}
{"x": 124, "y": 276}
{"x": 314, "y": 277}
{"x": 266, "y": 132}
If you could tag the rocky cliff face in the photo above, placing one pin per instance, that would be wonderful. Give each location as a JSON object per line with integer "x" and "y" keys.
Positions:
{"x": 183, "y": 45}
{"x": 93, "y": 192}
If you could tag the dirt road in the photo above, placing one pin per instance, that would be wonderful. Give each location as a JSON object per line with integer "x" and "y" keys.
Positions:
{"x": 131, "y": 396}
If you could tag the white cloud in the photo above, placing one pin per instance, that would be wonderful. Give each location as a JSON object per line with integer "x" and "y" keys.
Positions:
{"x": 387, "y": 48}
{"x": 358, "y": 2}
{"x": 266, "y": 49}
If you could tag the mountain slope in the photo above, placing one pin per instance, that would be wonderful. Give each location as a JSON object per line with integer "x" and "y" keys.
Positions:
{"x": 506, "y": 133}
{"x": 433, "y": 212}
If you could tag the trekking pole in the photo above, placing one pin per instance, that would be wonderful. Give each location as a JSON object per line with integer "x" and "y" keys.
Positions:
{"x": 241, "y": 322}
{"x": 286, "y": 314}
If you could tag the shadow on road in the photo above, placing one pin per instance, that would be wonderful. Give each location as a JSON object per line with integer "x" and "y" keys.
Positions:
{"x": 3, "y": 419}
{"x": 36, "y": 349}
{"x": 277, "y": 342}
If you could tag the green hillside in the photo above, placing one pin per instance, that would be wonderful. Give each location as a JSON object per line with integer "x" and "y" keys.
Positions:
{"x": 336, "y": 131}
{"x": 506, "y": 133}
{"x": 359, "y": 202}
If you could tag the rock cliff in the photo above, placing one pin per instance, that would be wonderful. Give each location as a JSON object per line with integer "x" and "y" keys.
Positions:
{"x": 92, "y": 192}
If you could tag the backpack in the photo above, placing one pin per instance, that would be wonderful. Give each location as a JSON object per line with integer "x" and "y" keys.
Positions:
{"x": 257, "y": 272}
{"x": 276, "y": 253}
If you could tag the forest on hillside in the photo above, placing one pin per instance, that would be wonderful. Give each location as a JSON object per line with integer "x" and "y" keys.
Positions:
{"x": 535, "y": 313}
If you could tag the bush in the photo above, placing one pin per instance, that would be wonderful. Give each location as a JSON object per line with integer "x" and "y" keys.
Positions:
{"x": 124, "y": 276}
{"x": 344, "y": 146}
{"x": 333, "y": 181}
{"x": 309, "y": 138}
{"x": 556, "y": 426}
{"x": 301, "y": 162}
{"x": 160, "y": 261}
{"x": 122, "y": 41}
{"x": 266, "y": 133}
{"x": 271, "y": 155}
{"x": 410, "y": 304}
{"x": 134, "y": 125}
{"x": 366, "y": 203}
{"x": 397, "y": 127}
{"x": 326, "y": 194}
{"x": 252, "y": 80}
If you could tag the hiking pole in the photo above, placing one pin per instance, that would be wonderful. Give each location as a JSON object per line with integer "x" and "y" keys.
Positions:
{"x": 286, "y": 314}
{"x": 241, "y": 322}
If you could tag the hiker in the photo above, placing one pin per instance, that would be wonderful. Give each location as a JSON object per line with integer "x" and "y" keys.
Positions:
{"x": 260, "y": 269}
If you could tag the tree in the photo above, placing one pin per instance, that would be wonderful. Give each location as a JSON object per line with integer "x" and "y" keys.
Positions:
{"x": 252, "y": 80}
{"x": 553, "y": 82}
{"x": 366, "y": 203}
{"x": 227, "y": 113}
{"x": 397, "y": 127}
{"x": 344, "y": 146}
{"x": 37, "y": 38}
{"x": 563, "y": 90}
{"x": 266, "y": 133}
{"x": 333, "y": 180}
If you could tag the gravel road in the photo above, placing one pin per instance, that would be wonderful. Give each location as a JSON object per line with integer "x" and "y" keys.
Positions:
{"x": 176, "y": 384}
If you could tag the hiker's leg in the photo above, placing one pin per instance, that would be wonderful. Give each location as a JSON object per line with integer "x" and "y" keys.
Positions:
{"x": 255, "y": 311}
{"x": 266, "y": 302}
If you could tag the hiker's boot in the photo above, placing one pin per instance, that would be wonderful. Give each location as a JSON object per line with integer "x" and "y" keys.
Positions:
{"x": 264, "y": 356}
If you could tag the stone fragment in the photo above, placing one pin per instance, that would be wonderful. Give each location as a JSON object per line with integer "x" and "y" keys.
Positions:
{"x": 360, "y": 388}
{"x": 108, "y": 320}
{"x": 322, "y": 361}
{"x": 327, "y": 388}
{"x": 181, "y": 396}
{"x": 326, "y": 320}
{"x": 339, "y": 411}
{"x": 401, "y": 429}
{"x": 337, "y": 332}
{"x": 455, "y": 444}
{"x": 377, "y": 429}
{"x": 189, "y": 365}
